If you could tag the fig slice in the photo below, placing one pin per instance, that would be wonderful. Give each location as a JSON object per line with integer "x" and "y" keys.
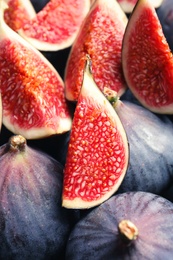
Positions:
{"x": 128, "y": 5}
{"x": 55, "y": 27}
{"x": 147, "y": 60}
{"x": 33, "y": 99}
{"x": 101, "y": 37}
{"x": 18, "y": 12}
{"x": 97, "y": 155}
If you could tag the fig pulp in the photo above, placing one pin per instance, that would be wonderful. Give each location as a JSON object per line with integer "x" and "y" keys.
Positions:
{"x": 97, "y": 155}
{"x": 33, "y": 225}
{"x": 147, "y": 60}
{"x": 18, "y": 12}
{"x": 150, "y": 138}
{"x": 33, "y": 99}
{"x": 55, "y": 26}
{"x": 100, "y": 36}
{"x": 99, "y": 236}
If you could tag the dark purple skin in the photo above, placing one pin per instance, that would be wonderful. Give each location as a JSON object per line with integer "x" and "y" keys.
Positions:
{"x": 96, "y": 236}
{"x": 165, "y": 14}
{"x": 33, "y": 224}
{"x": 150, "y": 140}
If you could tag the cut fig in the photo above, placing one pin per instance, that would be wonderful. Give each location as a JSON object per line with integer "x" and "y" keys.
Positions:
{"x": 33, "y": 99}
{"x": 101, "y": 37}
{"x": 149, "y": 136}
{"x": 147, "y": 60}
{"x": 18, "y": 12}
{"x": 55, "y": 27}
{"x": 133, "y": 225}
{"x": 33, "y": 225}
{"x": 97, "y": 156}
{"x": 128, "y": 5}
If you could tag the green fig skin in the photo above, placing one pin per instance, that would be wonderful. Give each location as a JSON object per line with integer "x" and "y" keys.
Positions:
{"x": 33, "y": 225}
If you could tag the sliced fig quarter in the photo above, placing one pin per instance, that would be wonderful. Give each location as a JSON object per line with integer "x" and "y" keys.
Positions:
{"x": 56, "y": 25}
{"x": 33, "y": 99}
{"x": 100, "y": 36}
{"x": 147, "y": 59}
{"x": 97, "y": 156}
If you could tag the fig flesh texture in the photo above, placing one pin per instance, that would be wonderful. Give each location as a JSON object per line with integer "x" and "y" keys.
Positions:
{"x": 18, "y": 12}
{"x": 150, "y": 147}
{"x": 128, "y": 5}
{"x": 97, "y": 235}
{"x": 33, "y": 98}
{"x": 55, "y": 26}
{"x": 33, "y": 225}
{"x": 100, "y": 36}
{"x": 97, "y": 155}
{"x": 147, "y": 60}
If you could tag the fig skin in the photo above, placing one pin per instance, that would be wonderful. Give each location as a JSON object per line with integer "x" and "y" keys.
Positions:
{"x": 150, "y": 136}
{"x": 96, "y": 236}
{"x": 33, "y": 225}
{"x": 165, "y": 15}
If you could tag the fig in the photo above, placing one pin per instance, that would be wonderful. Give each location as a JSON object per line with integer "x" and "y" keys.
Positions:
{"x": 165, "y": 15}
{"x": 18, "y": 12}
{"x": 128, "y": 5}
{"x": 100, "y": 36}
{"x": 33, "y": 99}
{"x": 97, "y": 154}
{"x": 56, "y": 25}
{"x": 33, "y": 225}
{"x": 132, "y": 225}
{"x": 149, "y": 137}
{"x": 147, "y": 59}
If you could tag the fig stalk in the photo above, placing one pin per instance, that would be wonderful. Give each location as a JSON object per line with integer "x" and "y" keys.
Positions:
{"x": 128, "y": 230}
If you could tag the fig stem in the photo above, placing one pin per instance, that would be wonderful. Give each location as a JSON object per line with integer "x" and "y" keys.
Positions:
{"x": 112, "y": 96}
{"x": 128, "y": 230}
{"x": 17, "y": 143}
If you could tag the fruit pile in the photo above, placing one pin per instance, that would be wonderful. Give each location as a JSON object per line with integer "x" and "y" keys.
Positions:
{"x": 86, "y": 117}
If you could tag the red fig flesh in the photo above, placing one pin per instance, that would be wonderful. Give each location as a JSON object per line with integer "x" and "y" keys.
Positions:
{"x": 97, "y": 156}
{"x": 100, "y": 36}
{"x": 32, "y": 91}
{"x": 147, "y": 59}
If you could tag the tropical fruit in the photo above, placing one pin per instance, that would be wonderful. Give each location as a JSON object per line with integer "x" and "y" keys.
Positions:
{"x": 97, "y": 156}
{"x": 18, "y": 12}
{"x": 33, "y": 99}
{"x": 128, "y": 5}
{"x": 101, "y": 37}
{"x": 33, "y": 225}
{"x": 150, "y": 138}
{"x": 132, "y": 225}
{"x": 55, "y": 27}
{"x": 147, "y": 60}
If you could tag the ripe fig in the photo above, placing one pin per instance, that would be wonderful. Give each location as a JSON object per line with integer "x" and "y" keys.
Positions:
{"x": 56, "y": 25}
{"x": 147, "y": 59}
{"x": 33, "y": 225}
{"x": 33, "y": 99}
{"x": 165, "y": 15}
{"x": 101, "y": 37}
{"x": 150, "y": 137}
{"x": 132, "y": 225}
{"x": 97, "y": 155}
